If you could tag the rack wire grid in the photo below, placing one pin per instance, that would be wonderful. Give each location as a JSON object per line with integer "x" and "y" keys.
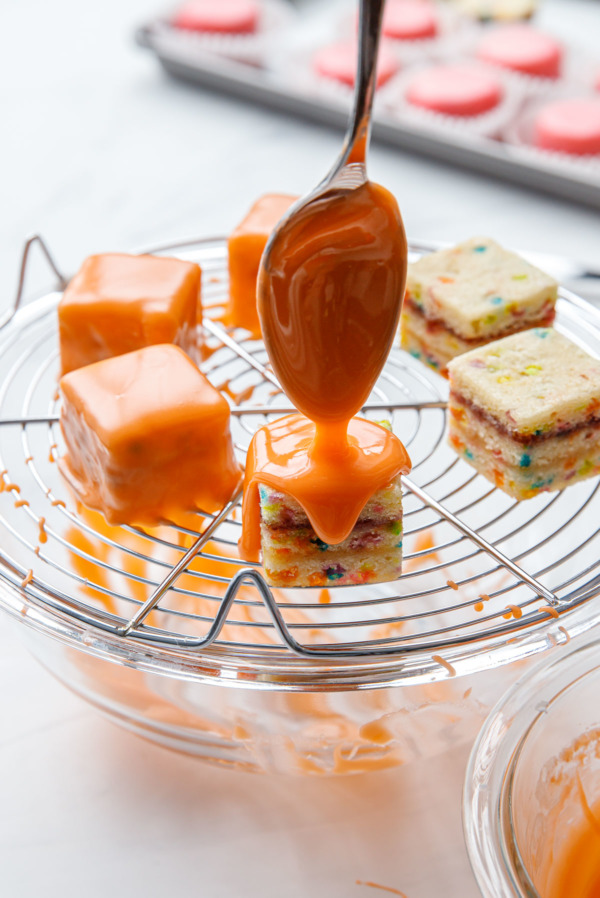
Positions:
{"x": 480, "y": 569}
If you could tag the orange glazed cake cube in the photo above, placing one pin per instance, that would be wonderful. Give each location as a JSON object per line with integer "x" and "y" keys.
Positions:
{"x": 147, "y": 437}
{"x": 118, "y": 303}
{"x": 246, "y": 246}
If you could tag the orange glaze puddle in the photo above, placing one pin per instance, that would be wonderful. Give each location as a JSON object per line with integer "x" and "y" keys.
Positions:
{"x": 329, "y": 310}
{"x": 375, "y": 885}
{"x": 89, "y": 570}
{"x": 238, "y": 396}
{"x": 423, "y": 541}
{"x": 576, "y": 871}
{"x": 42, "y": 535}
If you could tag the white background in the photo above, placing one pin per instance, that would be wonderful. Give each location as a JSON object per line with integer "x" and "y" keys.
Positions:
{"x": 100, "y": 151}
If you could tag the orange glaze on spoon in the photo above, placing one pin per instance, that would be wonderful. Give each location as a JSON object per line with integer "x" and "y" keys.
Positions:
{"x": 330, "y": 288}
{"x": 330, "y": 303}
{"x": 329, "y": 309}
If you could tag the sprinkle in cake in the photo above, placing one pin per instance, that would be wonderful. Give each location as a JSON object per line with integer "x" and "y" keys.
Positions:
{"x": 525, "y": 412}
{"x": 461, "y": 298}
{"x": 293, "y": 554}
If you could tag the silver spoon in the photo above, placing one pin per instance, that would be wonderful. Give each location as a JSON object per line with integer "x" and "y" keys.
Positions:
{"x": 332, "y": 275}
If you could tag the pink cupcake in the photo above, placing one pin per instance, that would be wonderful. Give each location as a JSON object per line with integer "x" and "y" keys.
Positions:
{"x": 462, "y": 89}
{"x": 243, "y": 30}
{"x": 523, "y": 49}
{"x": 337, "y": 62}
{"x": 570, "y": 125}
{"x": 410, "y": 20}
{"x": 224, "y": 17}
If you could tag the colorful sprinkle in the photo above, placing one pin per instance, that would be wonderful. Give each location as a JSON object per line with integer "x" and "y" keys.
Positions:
{"x": 532, "y": 369}
{"x": 525, "y": 461}
{"x": 520, "y": 277}
{"x": 479, "y": 249}
{"x": 496, "y": 300}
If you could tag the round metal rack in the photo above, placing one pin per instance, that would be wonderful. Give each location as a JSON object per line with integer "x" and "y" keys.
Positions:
{"x": 484, "y": 575}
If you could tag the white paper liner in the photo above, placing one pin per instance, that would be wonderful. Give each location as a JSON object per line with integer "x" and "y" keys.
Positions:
{"x": 576, "y": 69}
{"x": 487, "y": 124}
{"x": 297, "y": 69}
{"x": 519, "y": 133}
{"x": 276, "y": 15}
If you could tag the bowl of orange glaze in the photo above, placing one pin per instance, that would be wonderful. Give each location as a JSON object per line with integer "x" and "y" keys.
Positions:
{"x": 531, "y": 810}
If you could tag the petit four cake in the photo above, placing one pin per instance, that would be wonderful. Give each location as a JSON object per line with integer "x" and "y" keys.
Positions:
{"x": 342, "y": 533}
{"x": 525, "y": 412}
{"x": 338, "y": 61}
{"x": 224, "y": 17}
{"x": 522, "y": 49}
{"x": 569, "y": 126}
{"x": 117, "y": 303}
{"x": 245, "y": 247}
{"x": 463, "y": 297}
{"x": 463, "y": 89}
{"x": 147, "y": 437}
{"x": 409, "y": 20}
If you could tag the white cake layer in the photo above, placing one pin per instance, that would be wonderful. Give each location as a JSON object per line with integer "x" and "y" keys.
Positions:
{"x": 478, "y": 289}
{"x": 434, "y": 346}
{"x": 530, "y": 383}
{"x": 524, "y": 471}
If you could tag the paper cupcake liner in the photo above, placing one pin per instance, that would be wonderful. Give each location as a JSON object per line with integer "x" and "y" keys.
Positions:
{"x": 486, "y": 124}
{"x": 519, "y": 133}
{"x": 296, "y": 69}
{"x": 276, "y": 16}
{"x": 455, "y": 32}
{"x": 577, "y": 69}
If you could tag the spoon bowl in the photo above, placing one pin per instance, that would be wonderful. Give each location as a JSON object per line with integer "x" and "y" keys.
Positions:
{"x": 332, "y": 276}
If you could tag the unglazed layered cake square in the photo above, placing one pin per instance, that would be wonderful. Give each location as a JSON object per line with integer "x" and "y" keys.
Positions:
{"x": 461, "y": 298}
{"x": 525, "y": 412}
{"x": 147, "y": 437}
{"x": 245, "y": 248}
{"x": 118, "y": 303}
{"x": 293, "y": 554}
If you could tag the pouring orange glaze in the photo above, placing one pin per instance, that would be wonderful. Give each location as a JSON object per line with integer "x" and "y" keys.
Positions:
{"x": 330, "y": 290}
{"x": 329, "y": 311}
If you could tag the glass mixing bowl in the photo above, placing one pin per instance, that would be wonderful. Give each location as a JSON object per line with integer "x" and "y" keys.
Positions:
{"x": 533, "y": 781}
{"x": 357, "y": 678}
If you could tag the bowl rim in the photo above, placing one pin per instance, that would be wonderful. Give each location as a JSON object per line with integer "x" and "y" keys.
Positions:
{"x": 491, "y": 843}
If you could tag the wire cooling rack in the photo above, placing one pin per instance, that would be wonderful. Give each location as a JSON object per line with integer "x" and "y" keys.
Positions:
{"x": 480, "y": 569}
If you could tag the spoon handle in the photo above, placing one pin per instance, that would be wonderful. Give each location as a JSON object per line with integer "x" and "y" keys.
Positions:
{"x": 369, "y": 29}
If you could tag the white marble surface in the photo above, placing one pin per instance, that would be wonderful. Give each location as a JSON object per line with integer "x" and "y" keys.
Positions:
{"x": 99, "y": 151}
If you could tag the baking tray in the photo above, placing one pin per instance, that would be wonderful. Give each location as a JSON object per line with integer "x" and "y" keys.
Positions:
{"x": 577, "y": 180}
